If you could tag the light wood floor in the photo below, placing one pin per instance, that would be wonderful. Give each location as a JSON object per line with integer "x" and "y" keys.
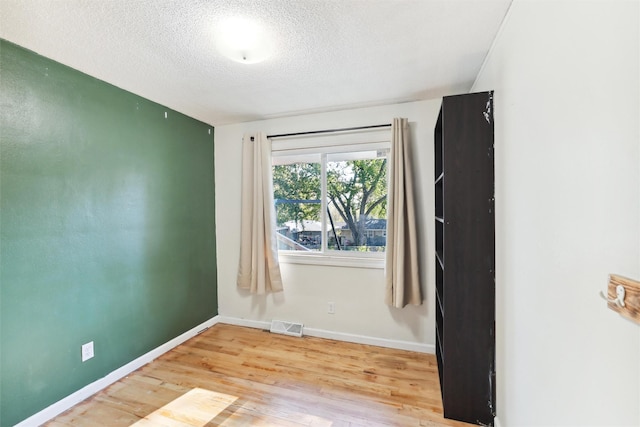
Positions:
{"x": 235, "y": 376}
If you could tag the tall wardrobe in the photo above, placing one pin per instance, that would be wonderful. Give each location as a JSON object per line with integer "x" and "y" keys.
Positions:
{"x": 465, "y": 257}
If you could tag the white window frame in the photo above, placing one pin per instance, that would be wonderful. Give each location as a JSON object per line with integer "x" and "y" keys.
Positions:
{"x": 323, "y": 144}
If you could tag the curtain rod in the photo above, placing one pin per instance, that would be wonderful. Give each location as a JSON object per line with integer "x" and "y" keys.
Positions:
{"x": 314, "y": 132}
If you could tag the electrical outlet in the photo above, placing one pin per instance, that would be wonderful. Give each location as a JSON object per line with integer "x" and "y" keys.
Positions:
{"x": 331, "y": 309}
{"x": 87, "y": 351}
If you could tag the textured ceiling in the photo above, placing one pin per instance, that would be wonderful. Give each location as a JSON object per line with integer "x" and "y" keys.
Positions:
{"x": 327, "y": 54}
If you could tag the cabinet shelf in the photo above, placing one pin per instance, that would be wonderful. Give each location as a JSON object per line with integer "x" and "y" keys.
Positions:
{"x": 440, "y": 308}
{"x": 440, "y": 261}
{"x": 440, "y": 361}
{"x": 439, "y": 331}
{"x": 439, "y": 282}
{"x": 439, "y": 188}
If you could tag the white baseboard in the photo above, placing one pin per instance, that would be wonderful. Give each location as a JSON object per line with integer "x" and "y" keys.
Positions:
{"x": 339, "y": 336}
{"x": 90, "y": 389}
{"x": 257, "y": 324}
{"x": 496, "y": 422}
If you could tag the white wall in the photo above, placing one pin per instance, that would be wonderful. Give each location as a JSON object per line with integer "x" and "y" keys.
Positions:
{"x": 567, "y": 210}
{"x": 358, "y": 293}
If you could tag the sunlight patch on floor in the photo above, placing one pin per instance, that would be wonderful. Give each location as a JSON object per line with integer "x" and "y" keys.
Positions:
{"x": 275, "y": 413}
{"x": 195, "y": 408}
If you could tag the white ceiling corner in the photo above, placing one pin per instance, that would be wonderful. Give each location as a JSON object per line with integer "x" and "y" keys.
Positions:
{"x": 327, "y": 54}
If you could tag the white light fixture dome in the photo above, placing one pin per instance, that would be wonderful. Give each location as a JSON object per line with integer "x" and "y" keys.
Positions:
{"x": 243, "y": 40}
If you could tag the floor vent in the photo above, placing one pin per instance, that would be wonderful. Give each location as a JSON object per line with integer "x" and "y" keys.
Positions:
{"x": 286, "y": 328}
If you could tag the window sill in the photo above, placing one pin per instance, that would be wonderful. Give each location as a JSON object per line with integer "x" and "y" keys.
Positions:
{"x": 334, "y": 261}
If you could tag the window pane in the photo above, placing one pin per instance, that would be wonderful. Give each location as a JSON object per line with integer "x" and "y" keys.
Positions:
{"x": 357, "y": 200}
{"x": 297, "y": 194}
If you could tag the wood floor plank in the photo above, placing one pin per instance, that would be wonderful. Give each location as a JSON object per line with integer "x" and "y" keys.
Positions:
{"x": 234, "y": 376}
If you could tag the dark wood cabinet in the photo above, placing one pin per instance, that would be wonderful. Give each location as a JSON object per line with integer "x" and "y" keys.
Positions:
{"x": 465, "y": 257}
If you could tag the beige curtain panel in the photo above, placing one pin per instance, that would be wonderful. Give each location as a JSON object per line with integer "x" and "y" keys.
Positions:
{"x": 401, "y": 268}
{"x": 259, "y": 270}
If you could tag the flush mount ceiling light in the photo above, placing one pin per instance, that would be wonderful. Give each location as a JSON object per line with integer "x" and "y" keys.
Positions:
{"x": 243, "y": 40}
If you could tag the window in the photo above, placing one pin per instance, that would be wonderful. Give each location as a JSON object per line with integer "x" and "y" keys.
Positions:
{"x": 331, "y": 198}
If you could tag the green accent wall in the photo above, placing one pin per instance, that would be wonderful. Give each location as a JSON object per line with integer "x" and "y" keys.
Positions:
{"x": 107, "y": 229}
